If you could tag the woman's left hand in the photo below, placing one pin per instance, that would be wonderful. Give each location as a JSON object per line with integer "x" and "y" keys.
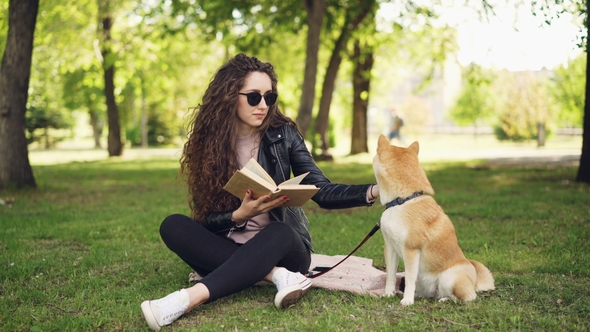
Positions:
{"x": 252, "y": 207}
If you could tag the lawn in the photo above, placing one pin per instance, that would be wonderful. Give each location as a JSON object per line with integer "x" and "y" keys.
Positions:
{"x": 82, "y": 251}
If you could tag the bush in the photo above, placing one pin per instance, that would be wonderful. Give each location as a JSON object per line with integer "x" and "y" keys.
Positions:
{"x": 42, "y": 120}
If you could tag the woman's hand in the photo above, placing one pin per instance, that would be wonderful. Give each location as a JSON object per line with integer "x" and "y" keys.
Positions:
{"x": 252, "y": 207}
{"x": 372, "y": 193}
{"x": 375, "y": 191}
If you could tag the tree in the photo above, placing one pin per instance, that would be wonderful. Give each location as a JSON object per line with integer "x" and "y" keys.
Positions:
{"x": 353, "y": 17}
{"x": 315, "y": 18}
{"x": 476, "y": 101}
{"x": 82, "y": 89}
{"x": 106, "y": 19}
{"x": 363, "y": 57}
{"x": 63, "y": 51}
{"x": 156, "y": 91}
{"x": 43, "y": 119}
{"x": 15, "y": 70}
{"x": 526, "y": 108}
{"x": 584, "y": 169}
{"x": 567, "y": 88}
{"x": 270, "y": 30}
{"x": 581, "y": 8}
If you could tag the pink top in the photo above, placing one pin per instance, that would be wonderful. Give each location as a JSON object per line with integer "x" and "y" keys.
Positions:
{"x": 248, "y": 148}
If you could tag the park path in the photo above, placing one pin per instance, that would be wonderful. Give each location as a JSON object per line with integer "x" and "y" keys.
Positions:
{"x": 561, "y": 151}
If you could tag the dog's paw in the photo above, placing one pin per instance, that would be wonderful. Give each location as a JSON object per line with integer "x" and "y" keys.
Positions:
{"x": 388, "y": 294}
{"x": 447, "y": 298}
{"x": 406, "y": 302}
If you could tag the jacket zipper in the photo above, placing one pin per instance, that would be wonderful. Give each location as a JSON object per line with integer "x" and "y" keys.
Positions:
{"x": 279, "y": 161}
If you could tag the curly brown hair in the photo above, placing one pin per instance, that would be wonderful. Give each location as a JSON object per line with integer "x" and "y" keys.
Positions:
{"x": 210, "y": 157}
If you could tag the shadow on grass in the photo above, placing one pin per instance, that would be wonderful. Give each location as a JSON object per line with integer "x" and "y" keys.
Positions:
{"x": 82, "y": 251}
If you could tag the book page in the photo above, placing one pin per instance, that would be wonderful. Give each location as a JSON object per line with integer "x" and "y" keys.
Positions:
{"x": 243, "y": 180}
{"x": 295, "y": 180}
{"x": 293, "y": 187}
{"x": 254, "y": 177}
{"x": 253, "y": 166}
{"x": 298, "y": 194}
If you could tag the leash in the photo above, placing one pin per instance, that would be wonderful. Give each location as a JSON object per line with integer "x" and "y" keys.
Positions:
{"x": 318, "y": 271}
{"x": 312, "y": 275}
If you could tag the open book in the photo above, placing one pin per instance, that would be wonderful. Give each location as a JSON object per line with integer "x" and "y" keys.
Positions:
{"x": 252, "y": 176}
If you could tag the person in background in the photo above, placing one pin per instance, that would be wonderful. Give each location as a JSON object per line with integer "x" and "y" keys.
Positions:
{"x": 234, "y": 243}
{"x": 395, "y": 125}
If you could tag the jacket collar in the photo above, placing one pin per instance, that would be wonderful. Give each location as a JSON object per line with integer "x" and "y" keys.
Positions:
{"x": 273, "y": 135}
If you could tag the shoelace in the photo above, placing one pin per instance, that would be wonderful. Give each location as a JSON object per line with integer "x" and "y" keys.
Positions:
{"x": 170, "y": 301}
{"x": 290, "y": 279}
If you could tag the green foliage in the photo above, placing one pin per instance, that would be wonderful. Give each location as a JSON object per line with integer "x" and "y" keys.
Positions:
{"x": 166, "y": 51}
{"x": 83, "y": 251}
{"x": 524, "y": 105}
{"x": 476, "y": 101}
{"x": 568, "y": 90}
{"x": 3, "y": 26}
{"x": 270, "y": 30}
{"x": 58, "y": 85}
{"x": 331, "y": 136}
{"x": 133, "y": 135}
{"x": 511, "y": 127}
{"x": 83, "y": 88}
{"x": 160, "y": 131}
{"x": 40, "y": 118}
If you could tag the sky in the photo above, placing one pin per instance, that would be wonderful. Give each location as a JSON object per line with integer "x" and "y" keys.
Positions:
{"x": 513, "y": 39}
{"x": 522, "y": 45}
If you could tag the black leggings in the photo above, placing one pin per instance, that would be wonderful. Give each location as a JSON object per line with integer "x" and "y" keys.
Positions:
{"x": 227, "y": 267}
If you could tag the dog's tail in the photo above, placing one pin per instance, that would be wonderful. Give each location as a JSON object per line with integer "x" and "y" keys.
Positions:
{"x": 485, "y": 280}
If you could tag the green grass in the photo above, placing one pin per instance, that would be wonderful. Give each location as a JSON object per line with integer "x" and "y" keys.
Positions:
{"x": 82, "y": 251}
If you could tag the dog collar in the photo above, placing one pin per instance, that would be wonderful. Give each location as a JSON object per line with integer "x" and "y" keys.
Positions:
{"x": 400, "y": 201}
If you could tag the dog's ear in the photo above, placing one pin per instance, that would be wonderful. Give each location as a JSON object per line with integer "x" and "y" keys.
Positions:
{"x": 415, "y": 147}
{"x": 382, "y": 143}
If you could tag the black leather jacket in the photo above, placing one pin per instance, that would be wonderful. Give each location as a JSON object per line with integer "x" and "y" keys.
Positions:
{"x": 283, "y": 150}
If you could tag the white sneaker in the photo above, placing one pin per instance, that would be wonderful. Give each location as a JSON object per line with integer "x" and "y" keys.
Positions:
{"x": 166, "y": 310}
{"x": 291, "y": 287}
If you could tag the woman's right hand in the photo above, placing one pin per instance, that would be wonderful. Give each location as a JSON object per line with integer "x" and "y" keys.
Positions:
{"x": 252, "y": 207}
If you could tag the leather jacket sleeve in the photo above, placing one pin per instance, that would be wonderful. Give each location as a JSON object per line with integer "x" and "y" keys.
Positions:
{"x": 330, "y": 195}
{"x": 218, "y": 222}
{"x": 283, "y": 151}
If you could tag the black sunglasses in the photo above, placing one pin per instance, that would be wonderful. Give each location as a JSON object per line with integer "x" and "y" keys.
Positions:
{"x": 254, "y": 98}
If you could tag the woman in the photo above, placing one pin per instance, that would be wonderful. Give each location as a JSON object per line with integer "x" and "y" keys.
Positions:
{"x": 234, "y": 243}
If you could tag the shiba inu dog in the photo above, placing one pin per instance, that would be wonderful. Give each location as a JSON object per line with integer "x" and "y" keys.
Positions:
{"x": 416, "y": 229}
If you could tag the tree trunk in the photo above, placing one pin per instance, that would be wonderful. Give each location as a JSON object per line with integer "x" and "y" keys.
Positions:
{"x": 15, "y": 71}
{"x": 144, "y": 116}
{"x": 47, "y": 139}
{"x": 323, "y": 117}
{"x": 361, "y": 84}
{"x": 316, "y": 10}
{"x": 114, "y": 143}
{"x": 95, "y": 127}
{"x": 321, "y": 123}
{"x": 584, "y": 169}
{"x": 541, "y": 134}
